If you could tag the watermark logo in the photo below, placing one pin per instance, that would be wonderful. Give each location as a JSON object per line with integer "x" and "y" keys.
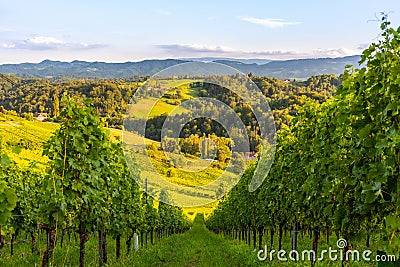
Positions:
{"x": 341, "y": 243}
{"x": 164, "y": 106}
{"x": 331, "y": 254}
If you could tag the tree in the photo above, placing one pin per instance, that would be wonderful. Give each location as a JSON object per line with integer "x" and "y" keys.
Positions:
{"x": 169, "y": 144}
{"x": 123, "y": 196}
{"x": 369, "y": 98}
{"x": 8, "y": 197}
{"x": 190, "y": 145}
{"x": 171, "y": 218}
{"x": 74, "y": 195}
{"x": 56, "y": 106}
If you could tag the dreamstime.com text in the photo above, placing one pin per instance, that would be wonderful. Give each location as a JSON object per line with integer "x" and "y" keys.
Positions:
{"x": 331, "y": 254}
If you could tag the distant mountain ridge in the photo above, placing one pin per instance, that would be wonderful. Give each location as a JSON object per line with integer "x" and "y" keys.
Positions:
{"x": 285, "y": 69}
{"x": 258, "y": 61}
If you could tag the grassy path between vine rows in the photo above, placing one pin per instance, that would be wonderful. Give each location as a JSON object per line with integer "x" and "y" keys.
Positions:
{"x": 196, "y": 247}
{"x": 200, "y": 247}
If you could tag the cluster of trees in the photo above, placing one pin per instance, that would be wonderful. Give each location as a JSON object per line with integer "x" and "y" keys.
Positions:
{"x": 208, "y": 147}
{"x": 29, "y": 96}
{"x": 86, "y": 189}
{"x": 336, "y": 167}
{"x": 284, "y": 99}
{"x": 205, "y": 147}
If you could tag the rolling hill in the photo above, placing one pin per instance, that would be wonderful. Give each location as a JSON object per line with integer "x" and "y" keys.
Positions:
{"x": 287, "y": 69}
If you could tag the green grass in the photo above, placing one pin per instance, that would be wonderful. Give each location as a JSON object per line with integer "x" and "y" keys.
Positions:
{"x": 206, "y": 210}
{"x": 162, "y": 105}
{"x": 177, "y": 82}
{"x": 197, "y": 247}
{"x": 129, "y": 137}
{"x": 158, "y": 107}
{"x": 305, "y": 243}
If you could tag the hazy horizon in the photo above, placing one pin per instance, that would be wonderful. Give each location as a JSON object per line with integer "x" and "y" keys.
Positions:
{"x": 205, "y": 59}
{"x": 126, "y": 31}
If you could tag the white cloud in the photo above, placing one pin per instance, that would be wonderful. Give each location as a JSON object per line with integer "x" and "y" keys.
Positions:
{"x": 177, "y": 49}
{"x": 163, "y": 12}
{"x": 8, "y": 45}
{"x": 335, "y": 52}
{"x": 363, "y": 46}
{"x": 42, "y": 40}
{"x": 47, "y": 43}
{"x": 269, "y": 23}
{"x": 197, "y": 50}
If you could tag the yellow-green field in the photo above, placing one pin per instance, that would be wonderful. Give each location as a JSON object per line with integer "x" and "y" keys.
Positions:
{"x": 163, "y": 104}
{"x": 181, "y": 82}
{"x": 27, "y": 134}
{"x": 159, "y": 107}
{"x": 31, "y": 135}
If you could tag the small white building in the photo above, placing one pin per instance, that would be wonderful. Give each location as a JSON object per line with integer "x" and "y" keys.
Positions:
{"x": 250, "y": 156}
{"x": 41, "y": 116}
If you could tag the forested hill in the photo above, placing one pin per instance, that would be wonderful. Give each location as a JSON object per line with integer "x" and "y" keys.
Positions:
{"x": 49, "y": 68}
{"x": 287, "y": 69}
{"x": 110, "y": 96}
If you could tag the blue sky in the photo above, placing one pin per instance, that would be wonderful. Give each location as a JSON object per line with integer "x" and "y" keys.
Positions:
{"x": 119, "y": 31}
